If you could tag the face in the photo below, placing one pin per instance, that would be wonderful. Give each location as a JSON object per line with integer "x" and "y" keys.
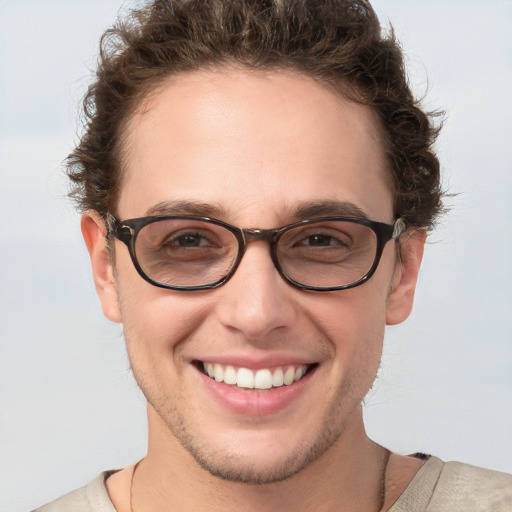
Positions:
{"x": 253, "y": 150}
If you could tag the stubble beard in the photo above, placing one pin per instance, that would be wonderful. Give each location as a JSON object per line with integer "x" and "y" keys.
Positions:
{"x": 236, "y": 468}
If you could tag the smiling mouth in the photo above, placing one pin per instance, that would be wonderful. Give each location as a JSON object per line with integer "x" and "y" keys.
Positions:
{"x": 262, "y": 379}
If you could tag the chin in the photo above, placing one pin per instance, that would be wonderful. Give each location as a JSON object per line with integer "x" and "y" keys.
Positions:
{"x": 241, "y": 469}
{"x": 259, "y": 464}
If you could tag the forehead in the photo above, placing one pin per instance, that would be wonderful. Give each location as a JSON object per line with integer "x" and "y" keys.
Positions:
{"x": 245, "y": 142}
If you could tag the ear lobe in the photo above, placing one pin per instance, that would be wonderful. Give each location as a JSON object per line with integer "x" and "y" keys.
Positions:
{"x": 401, "y": 297}
{"x": 94, "y": 232}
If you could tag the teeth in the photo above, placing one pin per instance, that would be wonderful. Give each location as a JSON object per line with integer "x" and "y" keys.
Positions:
{"x": 245, "y": 378}
{"x": 299, "y": 372}
{"x": 260, "y": 379}
{"x": 263, "y": 379}
{"x": 218, "y": 374}
{"x": 289, "y": 375}
{"x": 277, "y": 378}
{"x": 230, "y": 375}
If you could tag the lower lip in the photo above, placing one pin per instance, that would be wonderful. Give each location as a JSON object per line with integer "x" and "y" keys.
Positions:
{"x": 253, "y": 402}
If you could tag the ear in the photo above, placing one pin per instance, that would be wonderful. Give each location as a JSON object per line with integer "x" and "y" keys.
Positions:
{"x": 401, "y": 297}
{"x": 94, "y": 232}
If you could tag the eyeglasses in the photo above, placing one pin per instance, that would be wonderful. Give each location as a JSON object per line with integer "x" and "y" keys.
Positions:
{"x": 185, "y": 252}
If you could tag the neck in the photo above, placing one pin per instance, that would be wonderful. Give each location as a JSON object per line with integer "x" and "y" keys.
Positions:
{"x": 347, "y": 477}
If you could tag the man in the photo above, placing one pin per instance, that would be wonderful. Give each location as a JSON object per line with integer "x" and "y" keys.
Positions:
{"x": 257, "y": 182}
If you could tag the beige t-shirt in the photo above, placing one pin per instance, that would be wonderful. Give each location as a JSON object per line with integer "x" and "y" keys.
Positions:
{"x": 437, "y": 487}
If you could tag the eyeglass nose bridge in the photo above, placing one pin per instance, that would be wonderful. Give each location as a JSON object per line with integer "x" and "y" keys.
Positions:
{"x": 270, "y": 236}
{"x": 265, "y": 235}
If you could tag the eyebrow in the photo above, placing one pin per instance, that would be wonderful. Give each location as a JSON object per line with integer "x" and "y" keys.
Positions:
{"x": 187, "y": 208}
{"x": 304, "y": 210}
{"x": 328, "y": 208}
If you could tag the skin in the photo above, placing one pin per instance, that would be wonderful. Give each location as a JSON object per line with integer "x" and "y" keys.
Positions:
{"x": 254, "y": 147}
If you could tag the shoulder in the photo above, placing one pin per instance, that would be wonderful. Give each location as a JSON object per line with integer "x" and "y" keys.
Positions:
{"x": 456, "y": 487}
{"x": 91, "y": 498}
{"x": 468, "y": 487}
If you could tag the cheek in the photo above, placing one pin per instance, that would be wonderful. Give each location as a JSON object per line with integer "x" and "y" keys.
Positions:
{"x": 161, "y": 323}
{"x": 151, "y": 315}
{"x": 155, "y": 321}
{"x": 157, "y": 328}
{"x": 354, "y": 323}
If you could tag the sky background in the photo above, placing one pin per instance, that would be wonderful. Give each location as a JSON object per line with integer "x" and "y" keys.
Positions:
{"x": 68, "y": 405}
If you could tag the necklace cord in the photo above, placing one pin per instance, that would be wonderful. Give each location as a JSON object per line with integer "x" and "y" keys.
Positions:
{"x": 383, "y": 478}
{"x": 131, "y": 483}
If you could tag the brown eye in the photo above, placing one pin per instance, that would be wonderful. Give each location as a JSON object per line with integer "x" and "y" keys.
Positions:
{"x": 319, "y": 240}
{"x": 189, "y": 240}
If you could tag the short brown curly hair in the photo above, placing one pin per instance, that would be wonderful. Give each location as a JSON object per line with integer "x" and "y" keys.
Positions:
{"x": 340, "y": 43}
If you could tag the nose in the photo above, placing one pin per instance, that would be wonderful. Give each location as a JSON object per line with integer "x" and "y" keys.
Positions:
{"x": 257, "y": 301}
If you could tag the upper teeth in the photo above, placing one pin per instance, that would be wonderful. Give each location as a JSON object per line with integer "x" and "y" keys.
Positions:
{"x": 264, "y": 378}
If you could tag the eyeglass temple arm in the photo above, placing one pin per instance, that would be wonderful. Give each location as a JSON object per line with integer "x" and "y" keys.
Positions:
{"x": 117, "y": 229}
{"x": 398, "y": 228}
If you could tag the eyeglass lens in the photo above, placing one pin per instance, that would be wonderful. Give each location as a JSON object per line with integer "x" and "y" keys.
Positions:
{"x": 185, "y": 252}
